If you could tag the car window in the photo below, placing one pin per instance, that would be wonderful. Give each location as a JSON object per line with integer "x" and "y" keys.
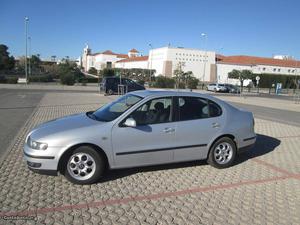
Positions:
{"x": 192, "y": 108}
{"x": 116, "y": 108}
{"x": 153, "y": 112}
{"x": 214, "y": 109}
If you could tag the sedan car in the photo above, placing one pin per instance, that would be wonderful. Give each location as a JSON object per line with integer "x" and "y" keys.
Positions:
{"x": 138, "y": 129}
{"x": 232, "y": 88}
{"x": 216, "y": 87}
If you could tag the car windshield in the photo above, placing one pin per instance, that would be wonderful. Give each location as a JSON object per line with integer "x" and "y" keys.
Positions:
{"x": 221, "y": 85}
{"x": 113, "y": 110}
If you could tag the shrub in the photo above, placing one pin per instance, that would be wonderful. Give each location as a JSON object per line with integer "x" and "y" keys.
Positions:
{"x": 141, "y": 82}
{"x": 67, "y": 79}
{"x": 266, "y": 80}
{"x": 46, "y": 78}
{"x": 11, "y": 80}
{"x": 181, "y": 85}
{"x": 2, "y": 79}
{"x": 164, "y": 82}
{"x": 193, "y": 83}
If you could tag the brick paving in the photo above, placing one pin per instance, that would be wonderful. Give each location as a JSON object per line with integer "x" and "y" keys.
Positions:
{"x": 262, "y": 188}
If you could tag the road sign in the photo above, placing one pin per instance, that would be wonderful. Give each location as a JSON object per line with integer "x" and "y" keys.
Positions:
{"x": 257, "y": 78}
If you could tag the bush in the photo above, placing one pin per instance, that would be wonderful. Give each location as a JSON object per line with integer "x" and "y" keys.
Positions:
{"x": 181, "y": 85}
{"x": 67, "y": 79}
{"x": 2, "y": 79}
{"x": 164, "y": 82}
{"x": 193, "y": 83}
{"x": 141, "y": 82}
{"x": 46, "y": 78}
{"x": 266, "y": 80}
{"x": 11, "y": 80}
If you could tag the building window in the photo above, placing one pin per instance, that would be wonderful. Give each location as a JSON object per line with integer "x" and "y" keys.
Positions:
{"x": 264, "y": 69}
{"x": 289, "y": 71}
{"x": 293, "y": 71}
{"x": 278, "y": 70}
{"x": 274, "y": 70}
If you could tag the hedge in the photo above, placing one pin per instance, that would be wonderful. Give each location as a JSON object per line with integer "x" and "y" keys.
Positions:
{"x": 266, "y": 80}
{"x": 41, "y": 78}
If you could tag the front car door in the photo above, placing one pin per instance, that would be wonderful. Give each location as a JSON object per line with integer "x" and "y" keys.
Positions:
{"x": 151, "y": 141}
{"x": 199, "y": 121}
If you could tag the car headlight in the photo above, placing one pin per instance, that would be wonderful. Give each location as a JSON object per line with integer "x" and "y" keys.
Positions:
{"x": 36, "y": 145}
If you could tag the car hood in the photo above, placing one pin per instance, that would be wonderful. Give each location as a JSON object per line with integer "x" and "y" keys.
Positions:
{"x": 56, "y": 132}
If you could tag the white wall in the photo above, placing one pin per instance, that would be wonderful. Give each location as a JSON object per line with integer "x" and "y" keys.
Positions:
{"x": 132, "y": 64}
{"x": 224, "y": 69}
{"x": 197, "y": 61}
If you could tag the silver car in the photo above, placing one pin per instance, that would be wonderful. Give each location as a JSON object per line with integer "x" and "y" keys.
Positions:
{"x": 139, "y": 129}
{"x": 216, "y": 87}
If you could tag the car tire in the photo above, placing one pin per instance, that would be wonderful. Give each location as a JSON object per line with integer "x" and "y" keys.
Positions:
{"x": 84, "y": 165}
{"x": 215, "y": 90}
{"x": 222, "y": 153}
{"x": 110, "y": 92}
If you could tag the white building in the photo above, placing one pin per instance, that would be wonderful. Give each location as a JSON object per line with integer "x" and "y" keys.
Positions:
{"x": 258, "y": 65}
{"x": 167, "y": 59}
{"x": 205, "y": 65}
{"x": 101, "y": 60}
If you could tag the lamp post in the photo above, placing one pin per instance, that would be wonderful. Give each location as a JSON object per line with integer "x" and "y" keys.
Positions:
{"x": 26, "y": 39}
{"x": 29, "y": 60}
{"x": 205, "y": 55}
{"x": 150, "y": 63}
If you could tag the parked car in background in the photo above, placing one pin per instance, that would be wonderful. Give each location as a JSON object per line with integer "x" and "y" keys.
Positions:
{"x": 216, "y": 87}
{"x": 141, "y": 128}
{"x": 109, "y": 85}
{"x": 232, "y": 88}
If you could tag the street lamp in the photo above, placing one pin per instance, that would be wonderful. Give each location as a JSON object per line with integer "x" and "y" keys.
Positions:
{"x": 150, "y": 63}
{"x": 29, "y": 60}
{"x": 26, "y": 20}
{"x": 205, "y": 54}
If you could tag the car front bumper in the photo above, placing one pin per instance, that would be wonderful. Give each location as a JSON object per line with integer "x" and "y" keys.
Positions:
{"x": 41, "y": 161}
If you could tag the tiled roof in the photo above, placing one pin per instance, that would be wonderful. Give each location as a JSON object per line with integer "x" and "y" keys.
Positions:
{"x": 253, "y": 60}
{"x": 134, "y": 59}
{"x": 109, "y": 52}
{"x": 134, "y": 50}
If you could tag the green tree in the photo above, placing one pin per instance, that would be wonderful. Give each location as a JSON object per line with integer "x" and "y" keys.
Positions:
{"x": 35, "y": 61}
{"x": 6, "y": 62}
{"x": 164, "y": 82}
{"x": 107, "y": 72}
{"x": 69, "y": 73}
{"x": 93, "y": 71}
{"x": 241, "y": 75}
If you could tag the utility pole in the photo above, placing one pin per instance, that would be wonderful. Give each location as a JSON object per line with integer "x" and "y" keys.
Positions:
{"x": 29, "y": 60}
{"x": 26, "y": 39}
{"x": 205, "y": 55}
{"x": 150, "y": 62}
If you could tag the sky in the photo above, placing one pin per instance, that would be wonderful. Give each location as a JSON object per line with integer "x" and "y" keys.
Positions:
{"x": 63, "y": 27}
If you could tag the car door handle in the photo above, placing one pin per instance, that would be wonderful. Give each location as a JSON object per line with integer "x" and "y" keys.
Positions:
{"x": 215, "y": 125}
{"x": 169, "y": 130}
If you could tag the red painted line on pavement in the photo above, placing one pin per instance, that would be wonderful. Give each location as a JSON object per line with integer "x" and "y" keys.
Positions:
{"x": 129, "y": 199}
{"x": 276, "y": 168}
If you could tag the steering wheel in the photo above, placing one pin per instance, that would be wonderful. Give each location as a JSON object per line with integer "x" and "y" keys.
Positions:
{"x": 151, "y": 116}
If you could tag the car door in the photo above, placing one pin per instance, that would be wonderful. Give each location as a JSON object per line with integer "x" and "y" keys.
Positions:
{"x": 151, "y": 140}
{"x": 197, "y": 125}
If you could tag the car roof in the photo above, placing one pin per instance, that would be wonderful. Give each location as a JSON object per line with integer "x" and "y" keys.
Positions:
{"x": 162, "y": 93}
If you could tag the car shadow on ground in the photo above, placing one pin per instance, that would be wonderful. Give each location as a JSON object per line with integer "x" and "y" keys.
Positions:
{"x": 264, "y": 145}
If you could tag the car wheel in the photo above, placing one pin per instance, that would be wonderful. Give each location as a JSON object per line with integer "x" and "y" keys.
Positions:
{"x": 222, "y": 154}
{"x": 110, "y": 92}
{"x": 215, "y": 90}
{"x": 84, "y": 165}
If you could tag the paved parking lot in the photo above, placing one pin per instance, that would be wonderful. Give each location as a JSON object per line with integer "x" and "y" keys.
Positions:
{"x": 262, "y": 188}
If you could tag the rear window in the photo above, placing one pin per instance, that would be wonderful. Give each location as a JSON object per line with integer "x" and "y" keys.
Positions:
{"x": 214, "y": 109}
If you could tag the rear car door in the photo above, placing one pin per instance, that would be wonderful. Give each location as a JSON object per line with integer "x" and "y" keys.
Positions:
{"x": 199, "y": 121}
{"x": 153, "y": 138}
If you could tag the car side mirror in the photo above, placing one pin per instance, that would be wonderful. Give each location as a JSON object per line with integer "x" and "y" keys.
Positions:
{"x": 130, "y": 122}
